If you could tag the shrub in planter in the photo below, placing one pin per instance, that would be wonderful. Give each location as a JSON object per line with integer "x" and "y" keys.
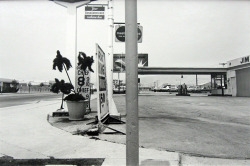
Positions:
{"x": 61, "y": 86}
{"x": 76, "y": 103}
{"x": 74, "y": 97}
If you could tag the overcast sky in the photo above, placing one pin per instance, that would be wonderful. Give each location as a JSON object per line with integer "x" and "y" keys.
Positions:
{"x": 175, "y": 34}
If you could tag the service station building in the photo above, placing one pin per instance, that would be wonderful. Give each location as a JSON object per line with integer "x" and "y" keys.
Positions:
{"x": 233, "y": 80}
{"x": 238, "y": 77}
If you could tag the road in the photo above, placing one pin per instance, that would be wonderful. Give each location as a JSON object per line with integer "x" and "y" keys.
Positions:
{"x": 14, "y": 99}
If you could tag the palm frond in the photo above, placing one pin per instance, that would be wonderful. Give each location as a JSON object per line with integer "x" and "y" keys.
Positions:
{"x": 67, "y": 63}
{"x": 59, "y": 61}
{"x": 80, "y": 59}
{"x": 85, "y": 61}
{"x": 61, "y": 86}
{"x": 56, "y": 80}
{"x": 66, "y": 88}
{"x": 55, "y": 88}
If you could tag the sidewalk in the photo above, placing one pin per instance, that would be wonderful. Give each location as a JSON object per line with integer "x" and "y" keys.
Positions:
{"x": 26, "y": 134}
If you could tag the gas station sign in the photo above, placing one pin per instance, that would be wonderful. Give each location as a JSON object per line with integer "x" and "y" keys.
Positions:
{"x": 83, "y": 84}
{"x": 120, "y": 33}
{"x": 95, "y": 12}
{"x": 102, "y": 100}
{"x": 119, "y": 65}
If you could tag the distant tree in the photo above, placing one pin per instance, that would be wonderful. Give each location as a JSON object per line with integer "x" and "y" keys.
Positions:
{"x": 41, "y": 85}
{"x": 14, "y": 84}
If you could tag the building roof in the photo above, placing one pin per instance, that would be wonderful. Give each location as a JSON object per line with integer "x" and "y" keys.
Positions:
{"x": 6, "y": 80}
{"x": 72, "y": 1}
{"x": 180, "y": 70}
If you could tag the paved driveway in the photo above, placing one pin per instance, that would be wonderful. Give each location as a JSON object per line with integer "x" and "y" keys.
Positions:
{"x": 199, "y": 125}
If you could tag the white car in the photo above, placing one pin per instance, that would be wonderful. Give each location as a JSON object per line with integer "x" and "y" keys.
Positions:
{"x": 121, "y": 90}
{"x": 164, "y": 89}
{"x": 173, "y": 88}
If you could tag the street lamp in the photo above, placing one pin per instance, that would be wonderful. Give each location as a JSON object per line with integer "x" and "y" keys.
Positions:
{"x": 181, "y": 78}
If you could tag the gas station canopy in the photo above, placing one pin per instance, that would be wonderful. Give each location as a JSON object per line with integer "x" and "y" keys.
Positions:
{"x": 73, "y": 1}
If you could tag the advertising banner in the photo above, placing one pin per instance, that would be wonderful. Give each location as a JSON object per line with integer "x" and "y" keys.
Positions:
{"x": 102, "y": 100}
{"x": 83, "y": 84}
{"x": 119, "y": 62}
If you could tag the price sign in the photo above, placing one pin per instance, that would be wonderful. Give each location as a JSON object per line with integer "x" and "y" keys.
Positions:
{"x": 102, "y": 105}
{"x": 83, "y": 84}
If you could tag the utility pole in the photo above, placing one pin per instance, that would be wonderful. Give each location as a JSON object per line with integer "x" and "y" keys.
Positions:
{"x": 132, "y": 123}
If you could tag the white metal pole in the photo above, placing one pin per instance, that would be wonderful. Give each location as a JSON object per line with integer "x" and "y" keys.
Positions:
{"x": 71, "y": 37}
{"x": 132, "y": 123}
{"x": 112, "y": 107}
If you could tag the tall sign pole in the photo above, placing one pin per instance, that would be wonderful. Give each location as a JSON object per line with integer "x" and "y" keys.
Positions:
{"x": 112, "y": 107}
{"x": 71, "y": 38}
{"x": 132, "y": 123}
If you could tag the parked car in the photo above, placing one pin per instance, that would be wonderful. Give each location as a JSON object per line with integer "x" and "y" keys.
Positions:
{"x": 119, "y": 90}
{"x": 173, "y": 88}
{"x": 191, "y": 88}
{"x": 194, "y": 89}
{"x": 164, "y": 89}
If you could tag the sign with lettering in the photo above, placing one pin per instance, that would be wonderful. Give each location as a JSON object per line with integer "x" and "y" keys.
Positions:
{"x": 95, "y": 12}
{"x": 239, "y": 61}
{"x": 83, "y": 84}
{"x": 120, "y": 33}
{"x": 102, "y": 100}
{"x": 119, "y": 62}
{"x": 244, "y": 60}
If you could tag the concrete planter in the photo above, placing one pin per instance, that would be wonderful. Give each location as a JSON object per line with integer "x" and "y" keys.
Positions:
{"x": 77, "y": 109}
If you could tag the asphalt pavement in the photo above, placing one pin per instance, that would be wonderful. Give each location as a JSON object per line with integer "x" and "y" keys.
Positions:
{"x": 14, "y": 99}
{"x": 26, "y": 134}
{"x": 199, "y": 125}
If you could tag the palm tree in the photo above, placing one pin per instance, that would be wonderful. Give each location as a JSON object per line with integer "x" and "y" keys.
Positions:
{"x": 61, "y": 62}
{"x": 15, "y": 84}
{"x": 61, "y": 86}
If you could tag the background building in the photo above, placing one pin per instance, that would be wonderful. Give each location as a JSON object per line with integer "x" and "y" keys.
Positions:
{"x": 238, "y": 77}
